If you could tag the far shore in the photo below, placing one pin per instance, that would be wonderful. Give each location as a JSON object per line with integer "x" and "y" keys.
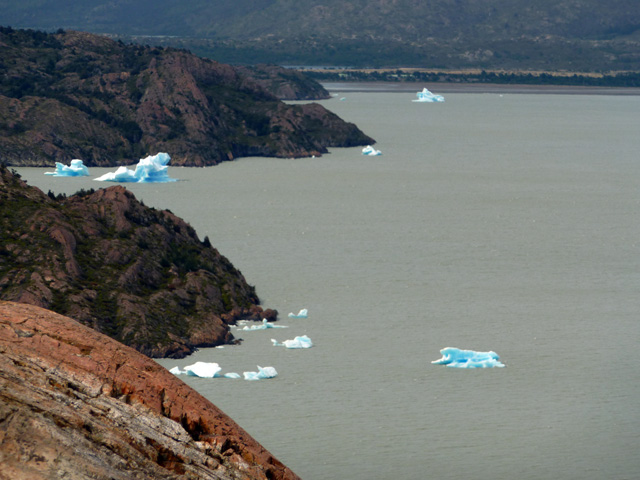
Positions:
{"x": 443, "y": 87}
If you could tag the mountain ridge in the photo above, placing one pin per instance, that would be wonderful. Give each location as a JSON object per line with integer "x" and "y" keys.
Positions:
{"x": 77, "y": 95}
{"x": 574, "y": 35}
{"x": 139, "y": 275}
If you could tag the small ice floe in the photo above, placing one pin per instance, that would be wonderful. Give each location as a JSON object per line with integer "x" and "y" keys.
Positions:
{"x": 304, "y": 313}
{"x": 263, "y": 326}
{"x": 343, "y": 99}
{"x": 75, "y": 169}
{"x": 370, "y": 151}
{"x": 298, "y": 342}
{"x": 262, "y": 373}
{"x": 456, "y": 358}
{"x": 151, "y": 169}
{"x": 203, "y": 370}
{"x": 425, "y": 96}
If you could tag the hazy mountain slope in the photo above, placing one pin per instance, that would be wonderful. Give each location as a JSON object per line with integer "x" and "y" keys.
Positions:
{"x": 78, "y": 95}
{"x": 450, "y": 33}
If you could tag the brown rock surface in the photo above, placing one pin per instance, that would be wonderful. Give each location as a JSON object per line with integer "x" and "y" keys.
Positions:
{"x": 75, "y": 404}
{"x": 77, "y": 95}
{"x": 137, "y": 274}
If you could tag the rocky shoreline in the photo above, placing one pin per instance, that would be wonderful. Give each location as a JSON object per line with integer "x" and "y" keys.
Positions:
{"x": 139, "y": 275}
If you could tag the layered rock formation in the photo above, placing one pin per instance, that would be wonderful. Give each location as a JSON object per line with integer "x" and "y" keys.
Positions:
{"x": 137, "y": 274}
{"x": 77, "y": 405}
{"x": 77, "y": 95}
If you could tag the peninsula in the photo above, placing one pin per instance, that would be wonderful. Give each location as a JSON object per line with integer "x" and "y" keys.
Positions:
{"x": 77, "y": 95}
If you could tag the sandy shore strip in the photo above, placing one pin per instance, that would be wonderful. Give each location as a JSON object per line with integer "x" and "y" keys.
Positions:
{"x": 438, "y": 87}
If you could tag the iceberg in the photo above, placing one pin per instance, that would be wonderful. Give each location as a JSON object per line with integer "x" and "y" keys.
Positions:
{"x": 298, "y": 342}
{"x": 426, "y": 96}
{"x": 265, "y": 325}
{"x": 262, "y": 373}
{"x": 456, "y": 358}
{"x": 304, "y": 313}
{"x": 152, "y": 169}
{"x": 75, "y": 169}
{"x": 203, "y": 370}
{"x": 370, "y": 151}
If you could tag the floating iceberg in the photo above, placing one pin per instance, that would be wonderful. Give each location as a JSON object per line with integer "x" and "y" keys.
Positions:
{"x": 75, "y": 169}
{"x": 203, "y": 370}
{"x": 265, "y": 325}
{"x": 298, "y": 342}
{"x": 370, "y": 151}
{"x": 456, "y": 358}
{"x": 152, "y": 169}
{"x": 304, "y": 313}
{"x": 426, "y": 96}
{"x": 262, "y": 373}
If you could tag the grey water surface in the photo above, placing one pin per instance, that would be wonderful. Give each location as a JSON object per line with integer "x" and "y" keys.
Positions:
{"x": 504, "y": 222}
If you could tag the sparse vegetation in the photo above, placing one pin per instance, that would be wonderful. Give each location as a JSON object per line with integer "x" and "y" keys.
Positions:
{"x": 137, "y": 274}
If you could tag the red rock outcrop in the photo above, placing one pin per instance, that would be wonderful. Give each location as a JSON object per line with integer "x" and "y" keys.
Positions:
{"x": 75, "y": 404}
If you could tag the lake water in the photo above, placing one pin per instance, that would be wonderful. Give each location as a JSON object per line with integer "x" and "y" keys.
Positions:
{"x": 491, "y": 222}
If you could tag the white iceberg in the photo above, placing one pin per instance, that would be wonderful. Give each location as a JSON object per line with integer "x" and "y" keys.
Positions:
{"x": 370, "y": 151}
{"x": 152, "y": 169}
{"x": 304, "y": 313}
{"x": 203, "y": 370}
{"x": 456, "y": 358}
{"x": 262, "y": 373}
{"x": 426, "y": 96}
{"x": 265, "y": 325}
{"x": 75, "y": 169}
{"x": 298, "y": 342}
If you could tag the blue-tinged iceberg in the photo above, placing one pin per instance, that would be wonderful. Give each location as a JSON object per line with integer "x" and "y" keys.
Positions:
{"x": 426, "y": 96}
{"x": 262, "y": 373}
{"x": 370, "y": 151}
{"x": 298, "y": 342}
{"x": 152, "y": 169}
{"x": 304, "y": 313}
{"x": 75, "y": 169}
{"x": 456, "y": 358}
{"x": 263, "y": 326}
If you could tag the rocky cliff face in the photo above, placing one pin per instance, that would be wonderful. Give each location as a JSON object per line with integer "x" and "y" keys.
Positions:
{"x": 77, "y": 95}
{"x": 134, "y": 273}
{"x": 77, "y": 405}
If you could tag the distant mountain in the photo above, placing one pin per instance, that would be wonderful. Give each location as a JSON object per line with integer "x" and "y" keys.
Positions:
{"x": 586, "y": 35}
{"x": 79, "y": 95}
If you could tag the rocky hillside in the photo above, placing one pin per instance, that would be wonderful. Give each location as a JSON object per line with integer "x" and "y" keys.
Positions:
{"x": 548, "y": 35}
{"x": 76, "y": 95}
{"x": 77, "y": 405}
{"x": 137, "y": 274}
